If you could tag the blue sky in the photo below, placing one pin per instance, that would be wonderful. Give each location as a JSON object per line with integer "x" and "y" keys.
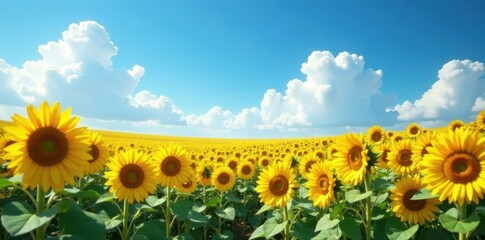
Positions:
{"x": 234, "y": 69}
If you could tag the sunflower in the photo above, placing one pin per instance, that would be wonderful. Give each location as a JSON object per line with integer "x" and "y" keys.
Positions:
{"x": 275, "y": 184}
{"x": 320, "y": 154}
{"x": 203, "y": 173}
{"x": 99, "y": 153}
{"x": 331, "y": 150}
{"x": 454, "y": 168}
{"x": 384, "y": 149}
{"x": 396, "y": 137}
{"x": 131, "y": 176}
{"x": 413, "y": 129}
{"x": 188, "y": 186}
{"x": 481, "y": 120}
{"x": 47, "y": 147}
{"x": 264, "y": 161}
{"x": 232, "y": 163}
{"x": 246, "y": 170}
{"x": 375, "y": 134}
{"x": 223, "y": 178}
{"x": 400, "y": 158}
{"x": 455, "y": 124}
{"x": 351, "y": 159}
{"x": 412, "y": 211}
{"x": 320, "y": 184}
{"x": 173, "y": 165}
{"x": 5, "y": 141}
{"x": 419, "y": 147}
{"x": 306, "y": 164}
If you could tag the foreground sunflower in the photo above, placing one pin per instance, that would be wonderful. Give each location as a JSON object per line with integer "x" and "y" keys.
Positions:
{"x": 412, "y": 211}
{"x": 173, "y": 165}
{"x": 375, "y": 134}
{"x": 400, "y": 158}
{"x": 246, "y": 170}
{"x": 351, "y": 159}
{"x": 99, "y": 153}
{"x": 223, "y": 178}
{"x": 48, "y": 148}
{"x": 131, "y": 176}
{"x": 454, "y": 168}
{"x": 275, "y": 184}
{"x": 320, "y": 184}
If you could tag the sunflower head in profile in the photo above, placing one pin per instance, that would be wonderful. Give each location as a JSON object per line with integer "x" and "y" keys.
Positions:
{"x": 173, "y": 165}
{"x": 351, "y": 159}
{"x": 275, "y": 184}
{"x": 412, "y": 211}
{"x": 203, "y": 173}
{"x": 321, "y": 184}
{"x": 223, "y": 178}
{"x": 5, "y": 141}
{"x": 306, "y": 164}
{"x": 455, "y": 124}
{"x": 454, "y": 167}
{"x": 400, "y": 158}
{"x": 481, "y": 120}
{"x": 99, "y": 153}
{"x": 48, "y": 148}
{"x": 419, "y": 146}
{"x": 375, "y": 134}
{"x": 246, "y": 170}
{"x": 131, "y": 175}
{"x": 384, "y": 150}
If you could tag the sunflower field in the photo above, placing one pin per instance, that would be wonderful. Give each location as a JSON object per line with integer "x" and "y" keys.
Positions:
{"x": 59, "y": 180}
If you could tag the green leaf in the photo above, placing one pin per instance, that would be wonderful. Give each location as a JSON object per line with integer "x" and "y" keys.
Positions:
{"x": 110, "y": 223}
{"x": 258, "y": 233}
{"x": 379, "y": 199}
{"x": 228, "y": 213}
{"x": 151, "y": 228}
{"x": 153, "y": 201}
{"x": 354, "y": 195}
{"x": 181, "y": 208}
{"x": 337, "y": 209}
{"x": 325, "y": 223}
{"x": 382, "y": 184}
{"x": 197, "y": 217}
{"x": 271, "y": 227}
{"x": 6, "y": 183}
{"x": 422, "y": 194}
{"x": 19, "y": 218}
{"x": 229, "y": 196}
{"x": 452, "y": 224}
{"x": 213, "y": 202}
{"x": 350, "y": 227}
{"x": 107, "y": 197}
{"x": 263, "y": 209}
{"x": 397, "y": 230}
{"x": 434, "y": 233}
{"x": 301, "y": 230}
{"x": 81, "y": 224}
{"x": 183, "y": 236}
{"x": 226, "y": 235}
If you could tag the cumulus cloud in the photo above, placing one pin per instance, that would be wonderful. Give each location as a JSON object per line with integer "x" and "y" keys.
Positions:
{"x": 459, "y": 89}
{"x": 78, "y": 71}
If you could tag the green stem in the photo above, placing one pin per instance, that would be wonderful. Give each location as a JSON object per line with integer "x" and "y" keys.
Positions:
{"x": 205, "y": 201}
{"x": 219, "y": 229}
{"x": 167, "y": 215}
{"x": 40, "y": 231}
{"x": 124, "y": 234}
{"x": 287, "y": 228}
{"x": 462, "y": 216}
{"x": 368, "y": 208}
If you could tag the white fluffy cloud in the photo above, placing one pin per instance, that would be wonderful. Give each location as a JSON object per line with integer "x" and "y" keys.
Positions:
{"x": 78, "y": 71}
{"x": 458, "y": 91}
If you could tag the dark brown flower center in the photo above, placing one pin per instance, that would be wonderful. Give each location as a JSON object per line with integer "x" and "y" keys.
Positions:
{"x": 323, "y": 184}
{"x": 412, "y": 205}
{"x": 223, "y": 178}
{"x": 265, "y": 162}
{"x": 384, "y": 155}
{"x": 376, "y": 136}
{"x": 424, "y": 151}
{"x": 414, "y": 130}
{"x": 319, "y": 155}
{"x": 187, "y": 184}
{"x": 403, "y": 157}
{"x": 308, "y": 165}
{"x": 354, "y": 158}
{"x": 233, "y": 165}
{"x": 246, "y": 170}
{"x": 170, "y": 166}
{"x": 461, "y": 168}
{"x": 94, "y": 152}
{"x": 132, "y": 176}
{"x": 278, "y": 185}
{"x": 47, "y": 146}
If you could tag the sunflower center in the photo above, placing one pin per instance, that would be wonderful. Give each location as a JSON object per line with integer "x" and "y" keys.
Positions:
{"x": 319, "y": 155}
{"x": 246, "y": 170}
{"x": 94, "y": 152}
{"x": 132, "y": 176}
{"x": 376, "y": 136}
{"x": 187, "y": 184}
{"x": 171, "y": 166}
{"x": 413, "y": 205}
{"x": 278, "y": 185}
{"x": 461, "y": 168}
{"x": 308, "y": 165}
{"x": 265, "y": 162}
{"x": 47, "y": 146}
{"x": 414, "y": 130}
{"x": 355, "y": 158}
{"x": 323, "y": 183}
{"x": 403, "y": 158}
{"x": 424, "y": 151}
{"x": 384, "y": 155}
{"x": 223, "y": 178}
{"x": 233, "y": 165}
